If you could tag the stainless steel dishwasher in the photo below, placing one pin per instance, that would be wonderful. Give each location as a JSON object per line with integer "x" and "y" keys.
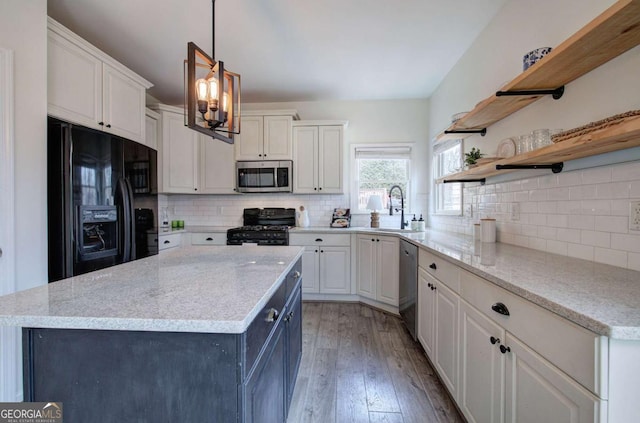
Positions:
{"x": 408, "y": 285}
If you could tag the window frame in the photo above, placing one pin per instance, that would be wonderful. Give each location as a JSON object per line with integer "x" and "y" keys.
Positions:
{"x": 389, "y": 147}
{"x": 440, "y": 188}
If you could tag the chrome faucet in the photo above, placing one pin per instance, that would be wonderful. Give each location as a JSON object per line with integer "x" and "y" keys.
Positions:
{"x": 402, "y": 223}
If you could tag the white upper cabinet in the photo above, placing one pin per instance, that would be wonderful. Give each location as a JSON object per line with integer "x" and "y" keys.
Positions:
{"x": 152, "y": 129}
{"x": 217, "y": 167}
{"x": 265, "y": 135}
{"x": 318, "y": 165}
{"x": 192, "y": 163}
{"x": 87, "y": 87}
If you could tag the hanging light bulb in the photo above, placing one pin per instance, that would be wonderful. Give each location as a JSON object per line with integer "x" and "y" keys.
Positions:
{"x": 202, "y": 93}
{"x": 213, "y": 93}
{"x": 225, "y": 102}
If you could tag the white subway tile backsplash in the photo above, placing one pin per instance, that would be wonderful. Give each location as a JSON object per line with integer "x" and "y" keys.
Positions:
{"x": 547, "y": 233}
{"x": 596, "y": 175}
{"x": 612, "y": 257}
{"x": 538, "y": 244}
{"x": 582, "y": 222}
{"x": 626, "y": 172}
{"x": 585, "y": 252}
{"x": 569, "y": 235}
{"x": 620, "y": 208}
{"x": 547, "y": 207}
{"x": 633, "y": 261}
{"x": 596, "y": 207}
{"x": 538, "y": 195}
{"x": 614, "y": 224}
{"x": 597, "y": 239}
{"x": 567, "y": 179}
{"x": 558, "y": 220}
{"x": 581, "y": 214}
{"x": 558, "y": 193}
{"x": 557, "y": 247}
{"x": 548, "y": 181}
{"x": 613, "y": 190}
{"x": 625, "y": 242}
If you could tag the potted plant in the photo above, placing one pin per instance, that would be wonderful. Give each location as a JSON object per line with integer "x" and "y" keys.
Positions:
{"x": 472, "y": 157}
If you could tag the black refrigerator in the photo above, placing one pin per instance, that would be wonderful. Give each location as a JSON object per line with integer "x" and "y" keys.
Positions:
{"x": 102, "y": 200}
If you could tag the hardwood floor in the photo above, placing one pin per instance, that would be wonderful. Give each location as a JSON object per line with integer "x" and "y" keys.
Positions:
{"x": 360, "y": 365}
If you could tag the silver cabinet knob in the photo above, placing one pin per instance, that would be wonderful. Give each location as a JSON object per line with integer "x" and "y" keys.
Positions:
{"x": 272, "y": 315}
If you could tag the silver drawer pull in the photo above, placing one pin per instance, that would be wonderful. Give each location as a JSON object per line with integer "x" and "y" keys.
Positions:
{"x": 272, "y": 315}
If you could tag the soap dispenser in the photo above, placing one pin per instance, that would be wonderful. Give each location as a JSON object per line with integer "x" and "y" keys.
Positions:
{"x": 414, "y": 223}
{"x": 421, "y": 225}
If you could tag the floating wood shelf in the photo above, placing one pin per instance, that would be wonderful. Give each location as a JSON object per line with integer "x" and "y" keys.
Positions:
{"x": 609, "y": 35}
{"x": 622, "y": 135}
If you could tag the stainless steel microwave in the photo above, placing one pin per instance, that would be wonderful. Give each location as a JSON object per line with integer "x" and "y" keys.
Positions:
{"x": 264, "y": 176}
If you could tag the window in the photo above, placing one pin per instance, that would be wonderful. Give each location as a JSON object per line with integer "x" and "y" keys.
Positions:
{"x": 376, "y": 168}
{"x": 447, "y": 159}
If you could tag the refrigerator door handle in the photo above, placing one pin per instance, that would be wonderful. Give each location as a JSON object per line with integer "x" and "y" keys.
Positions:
{"x": 121, "y": 190}
{"x": 131, "y": 228}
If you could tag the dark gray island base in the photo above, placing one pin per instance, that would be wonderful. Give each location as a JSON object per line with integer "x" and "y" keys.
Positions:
{"x": 139, "y": 376}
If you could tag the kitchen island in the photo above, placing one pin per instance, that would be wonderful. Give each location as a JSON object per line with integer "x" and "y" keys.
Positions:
{"x": 196, "y": 334}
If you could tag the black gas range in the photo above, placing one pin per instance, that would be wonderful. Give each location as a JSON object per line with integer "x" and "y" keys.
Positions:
{"x": 268, "y": 226}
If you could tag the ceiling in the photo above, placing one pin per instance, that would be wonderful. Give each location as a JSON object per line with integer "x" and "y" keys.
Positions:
{"x": 287, "y": 50}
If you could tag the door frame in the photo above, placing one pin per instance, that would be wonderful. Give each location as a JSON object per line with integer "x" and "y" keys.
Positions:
{"x": 10, "y": 389}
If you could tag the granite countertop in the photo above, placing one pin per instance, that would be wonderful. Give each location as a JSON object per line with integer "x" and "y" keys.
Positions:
{"x": 602, "y": 298}
{"x": 190, "y": 289}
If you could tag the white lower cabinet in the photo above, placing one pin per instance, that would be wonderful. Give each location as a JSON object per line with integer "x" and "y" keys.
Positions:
{"x": 326, "y": 262}
{"x": 537, "y": 391}
{"x": 505, "y": 359}
{"x": 481, "y": 367}
{"x": 378, "y": 268}
{"x": 208, "y": 238}
{"x": 438, "y": 327}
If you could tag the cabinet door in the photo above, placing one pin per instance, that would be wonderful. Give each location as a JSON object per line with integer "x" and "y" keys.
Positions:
{"x": 537, "y": 391}
{"x": 481, "y": 367}
{"x": 249, "y": 143}
{"x": 335, "y": 270}
{"x": 365, "y": 272}
{"x": 310, "y": 270}
{"x": 305, "y": 163}
{"x": 277, "y": 138}
{"x": 264, "y": 397}
{"x": 330, "y": 160}
{"x": 446, "y": 337}
{"x": 151, "y": 132}
{"x": 387, "y": 269}
{"x": 74, "y": 83}
{"x": 123, "y": 104}
{"x": 217, "y": 167}
{"x": 179, "y": 155}
{"x": 294, "y": 342}
{"x": 426, "y": 311}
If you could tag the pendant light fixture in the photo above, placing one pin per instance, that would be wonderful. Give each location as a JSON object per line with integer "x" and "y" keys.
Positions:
{"x": 212, "y": 93}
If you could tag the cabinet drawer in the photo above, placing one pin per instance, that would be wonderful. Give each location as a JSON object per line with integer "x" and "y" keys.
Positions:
{"x": 262, "y": 325}
{"x": 319, "y": 239}
{"x": 575, "y": 350}
{"x": 208, "y": 238}
{"x": 169, "y": 241}
{"x": 441, "y": 269}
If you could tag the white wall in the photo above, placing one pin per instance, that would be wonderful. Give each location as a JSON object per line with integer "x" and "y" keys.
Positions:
{"x": 401, "y": 121}
{"x": 23, "y": 29}
{"x": 579, "y": 213}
